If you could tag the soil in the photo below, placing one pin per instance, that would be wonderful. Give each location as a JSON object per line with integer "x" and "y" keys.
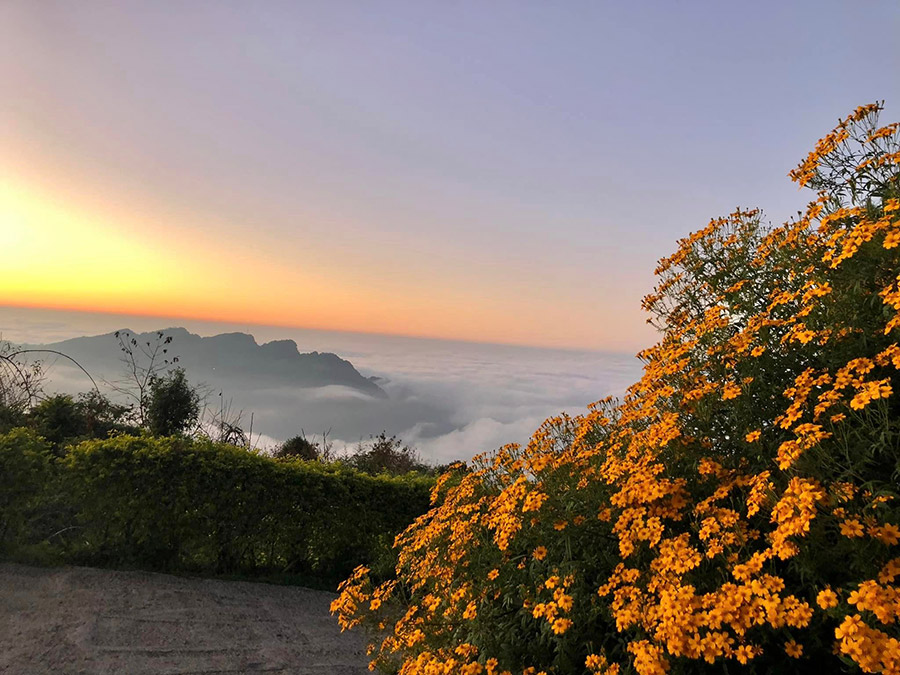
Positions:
{"x": 84, "y": 620}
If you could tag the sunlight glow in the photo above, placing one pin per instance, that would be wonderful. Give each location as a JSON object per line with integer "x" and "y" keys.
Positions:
{"x": 53, "y": 253}
{"x": 72, "y": 247}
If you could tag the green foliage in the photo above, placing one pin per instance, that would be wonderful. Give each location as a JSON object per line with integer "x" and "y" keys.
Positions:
{"x": 177, "y": 504}
{"x": 386, "y": 455}
{"x": 100, "y": 416}
{"x": 62, "y": 419}
{"x": 58, "y": 419}
{"x": 298, "y": 447}
{"x": 174, "y": 405}
{"x": 24, "y": 472}
{"x": 11, "y": 416}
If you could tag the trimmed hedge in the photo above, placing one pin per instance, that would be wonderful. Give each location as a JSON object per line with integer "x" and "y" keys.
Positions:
{"x": 24, "y": 472}
{"x": 176, "y": 504}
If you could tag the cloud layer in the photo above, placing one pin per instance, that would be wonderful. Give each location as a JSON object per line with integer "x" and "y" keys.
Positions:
{"x": 451, "y": 400}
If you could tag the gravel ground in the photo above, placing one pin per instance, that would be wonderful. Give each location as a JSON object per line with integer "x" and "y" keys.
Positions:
{"x": 84, "y": 620}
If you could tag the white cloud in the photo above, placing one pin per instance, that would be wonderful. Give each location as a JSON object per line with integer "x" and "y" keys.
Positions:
{"x": 337, "y": 392}
{"x": 481, "y": 435}
{"x": 450, "y": 399}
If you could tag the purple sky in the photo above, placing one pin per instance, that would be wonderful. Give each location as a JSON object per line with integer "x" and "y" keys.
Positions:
{"x": 500, "y": 171}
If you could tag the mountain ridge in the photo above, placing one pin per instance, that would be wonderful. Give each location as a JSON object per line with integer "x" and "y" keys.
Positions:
{"x": 225, "y": 356}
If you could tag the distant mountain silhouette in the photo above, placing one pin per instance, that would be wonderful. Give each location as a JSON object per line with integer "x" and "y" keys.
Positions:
{"x": 226, "y": 359}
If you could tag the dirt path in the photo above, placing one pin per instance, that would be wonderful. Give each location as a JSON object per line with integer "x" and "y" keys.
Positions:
{"x": 83, "y": 620}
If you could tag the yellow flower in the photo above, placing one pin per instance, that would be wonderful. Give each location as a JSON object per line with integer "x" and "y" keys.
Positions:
{"x": 850, "y": 626}
{"x": 730, "y": 391}
{"x": 827, "y": 599}
{"x": 690, "y": 571}
{"x": 852, "y": 528}
{"x": 744, "y": 653}
{"x": 560, "y": 626}
{"x": 888, "y": 534}
{"x": 565, "y": 602}
{"x": 793, "y": 649}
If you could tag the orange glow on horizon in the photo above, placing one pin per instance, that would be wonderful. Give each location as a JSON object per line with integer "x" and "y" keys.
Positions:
{"x": 66, "y": 250}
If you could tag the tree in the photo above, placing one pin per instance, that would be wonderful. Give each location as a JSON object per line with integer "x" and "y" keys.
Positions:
{"x": 58, "y": 419}
{"x": 61, "y": 419}
{"x": 385, "y": 454}
{"x": 143, "y": 363}
{"x": 173, "y": 405}
{"x": 21, "y": 392}
{"x": 101, "y": 416}
{"x": 298, "y": 447}
{"x": 11, "y": 416}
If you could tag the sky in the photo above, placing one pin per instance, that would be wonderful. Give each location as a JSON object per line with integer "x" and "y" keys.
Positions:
{"x": 498, "y": 172}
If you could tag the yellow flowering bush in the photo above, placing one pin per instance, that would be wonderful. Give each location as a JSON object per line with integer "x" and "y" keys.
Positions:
{"x": 737, "y": 511}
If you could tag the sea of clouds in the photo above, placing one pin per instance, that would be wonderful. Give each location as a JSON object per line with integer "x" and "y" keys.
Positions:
{"x": 451, "y": 400}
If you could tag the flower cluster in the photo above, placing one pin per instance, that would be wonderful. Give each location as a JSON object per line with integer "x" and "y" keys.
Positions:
{"x": 737, "y": 506}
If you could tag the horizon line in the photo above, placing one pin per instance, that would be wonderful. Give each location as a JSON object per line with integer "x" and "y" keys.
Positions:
{"x": 154, "y": 315}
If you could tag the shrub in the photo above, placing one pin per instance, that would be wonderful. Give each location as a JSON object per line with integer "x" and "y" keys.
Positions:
{"x": 101, "y": 417}
{"x": 385, "y": 454}
{"x": 12, "y": 416}
{"x": 25, "y": 470}
{"x": 179, "y": 504}
{"x": 173, "y": 406}
{"x": 58, "y": 419}
{"x": 736, "y": 511}
{"x": 298, "y": 447}
{"x": 62, "y": 419}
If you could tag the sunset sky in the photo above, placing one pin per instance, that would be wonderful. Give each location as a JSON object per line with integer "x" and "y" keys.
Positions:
{"x": 500, "y": 171}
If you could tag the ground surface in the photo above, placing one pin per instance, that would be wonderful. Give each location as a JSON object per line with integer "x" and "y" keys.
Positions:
{"x": 83, "y": 620}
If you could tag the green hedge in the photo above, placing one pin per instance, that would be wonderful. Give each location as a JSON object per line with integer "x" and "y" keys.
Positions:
{"x": 176, "y": 504}
{"x": 25, "y": 470}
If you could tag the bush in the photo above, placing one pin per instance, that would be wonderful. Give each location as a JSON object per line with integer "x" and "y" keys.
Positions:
{"x": 101, "y": 417}
{"x": 385, "y": 454}
{"x": 173, "y": 406}
{"x": 61, "y": 419}
{"x": 180, "y": 504}
{"x": 298, "y": 447}
{"x": 57, "y": 419}
{"x": 12, "y": 416}
{"x": 25, "y": 471}
{"x": 737, "y": 511}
